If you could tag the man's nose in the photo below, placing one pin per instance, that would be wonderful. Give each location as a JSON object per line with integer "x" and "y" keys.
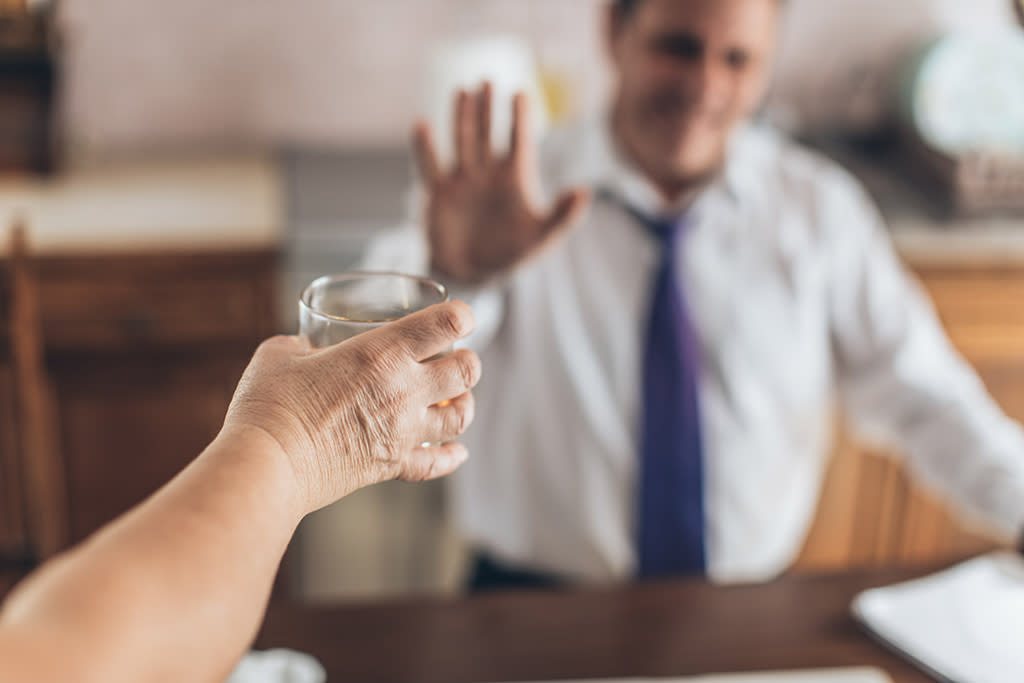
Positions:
{"x": 708, "y": 84}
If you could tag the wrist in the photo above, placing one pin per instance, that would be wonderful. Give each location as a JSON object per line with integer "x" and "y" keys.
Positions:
{"x": 258, "y": 452}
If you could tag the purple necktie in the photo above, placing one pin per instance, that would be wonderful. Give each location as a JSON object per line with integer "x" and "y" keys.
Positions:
{"x": 670, "y": 525}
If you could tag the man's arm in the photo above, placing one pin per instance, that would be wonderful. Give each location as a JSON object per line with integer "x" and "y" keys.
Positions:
{"x": 175, "y": 589}
{"x": 904, "y": 385}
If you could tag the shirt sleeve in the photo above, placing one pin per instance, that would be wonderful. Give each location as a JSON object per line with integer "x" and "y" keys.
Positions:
{"x": 406, "y": 249}
{"x": 901, "y": 382}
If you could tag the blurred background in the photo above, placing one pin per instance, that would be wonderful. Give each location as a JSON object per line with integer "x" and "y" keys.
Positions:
{"x": 182, "y": 169}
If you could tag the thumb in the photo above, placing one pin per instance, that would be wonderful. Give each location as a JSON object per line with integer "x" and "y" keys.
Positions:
{"x": 566, "y": 210}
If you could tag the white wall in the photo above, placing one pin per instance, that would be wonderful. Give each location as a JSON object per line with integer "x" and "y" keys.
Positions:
{"x": 144, "y": 73}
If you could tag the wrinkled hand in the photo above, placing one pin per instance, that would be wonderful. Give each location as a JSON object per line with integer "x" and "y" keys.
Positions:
{"x": 480, "y": 220}
{"x": 358, "y": 413}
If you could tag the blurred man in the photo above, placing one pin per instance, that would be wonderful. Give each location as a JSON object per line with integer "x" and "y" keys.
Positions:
{"x": 662, "y": 377}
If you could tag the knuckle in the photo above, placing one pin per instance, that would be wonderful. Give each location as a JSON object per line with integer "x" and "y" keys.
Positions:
{"x": 359, "y": 355}
{"x": 464, "y": 411}
{"x": 432, "y": 469}
{"x": 469, "y": 367}
{"x": 370, "y": 354}
{"x": 278, "y": 339}
{"x": 275, "y": 342}
{"x": 451, "y": 322}
{"x": 391, "y": 398}
{"x": 414, "y": 470}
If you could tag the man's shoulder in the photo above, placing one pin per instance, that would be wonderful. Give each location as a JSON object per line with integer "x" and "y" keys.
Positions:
{"x": 768, "y": 151}
{"x": 768, "y": 164}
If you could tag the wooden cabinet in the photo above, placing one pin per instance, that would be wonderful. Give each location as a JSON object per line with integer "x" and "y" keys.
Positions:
{"x": 129, "y": 423}
{"x": 148, "y": 302}
{"x": 870, "y": 514}
{"x": 27, "y": 87}
{"x": 143, "y": 352}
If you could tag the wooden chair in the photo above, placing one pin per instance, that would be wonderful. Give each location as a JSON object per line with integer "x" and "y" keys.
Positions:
{"x": 33, "y": 501}
{"x": 871, "y": 515}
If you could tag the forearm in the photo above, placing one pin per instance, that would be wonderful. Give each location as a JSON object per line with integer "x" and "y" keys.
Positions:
{"x": 971, "y": 455}
{"x": 175, "y": 589}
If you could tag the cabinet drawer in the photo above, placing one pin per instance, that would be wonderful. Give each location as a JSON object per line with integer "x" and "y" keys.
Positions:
{"x": 98, "y": 314}
{"x": 155, "y": 300}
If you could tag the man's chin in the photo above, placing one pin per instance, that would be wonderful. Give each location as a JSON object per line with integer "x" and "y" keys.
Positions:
{"x": 693, "y": 154}
{"x": 694, "y": 166}
{"x": 686, "y": 156}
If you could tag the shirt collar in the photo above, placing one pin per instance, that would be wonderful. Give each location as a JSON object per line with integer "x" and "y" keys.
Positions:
{"x": 601, "y": 165}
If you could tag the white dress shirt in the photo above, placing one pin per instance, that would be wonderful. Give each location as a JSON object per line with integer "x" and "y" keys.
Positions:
{"x": 802, "y": 309}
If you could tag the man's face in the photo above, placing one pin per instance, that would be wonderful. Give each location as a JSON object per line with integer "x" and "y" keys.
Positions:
{"x": 688, "y": 72}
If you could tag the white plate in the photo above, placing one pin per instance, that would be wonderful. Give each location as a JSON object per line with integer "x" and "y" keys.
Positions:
{"x": 843, "y": 675}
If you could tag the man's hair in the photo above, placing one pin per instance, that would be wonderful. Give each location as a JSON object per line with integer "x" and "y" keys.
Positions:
{"x": 626, "y": 7}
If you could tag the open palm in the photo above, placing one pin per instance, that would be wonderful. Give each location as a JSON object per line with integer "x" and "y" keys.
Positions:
{"x": 480, "y": 218}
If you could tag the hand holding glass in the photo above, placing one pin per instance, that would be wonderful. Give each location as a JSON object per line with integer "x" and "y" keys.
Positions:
{"x": 334, "y": 308}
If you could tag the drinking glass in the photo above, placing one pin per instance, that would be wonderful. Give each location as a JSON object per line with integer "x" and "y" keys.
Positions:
{"x": 334, "y": 308}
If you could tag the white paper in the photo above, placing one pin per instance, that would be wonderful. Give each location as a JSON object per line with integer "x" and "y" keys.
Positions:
{"x": 965, "y": 623}
{"x": 840, "y": 675}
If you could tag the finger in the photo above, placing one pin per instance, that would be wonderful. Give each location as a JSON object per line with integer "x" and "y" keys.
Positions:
{"x": 450, "y": 421}
{"x": 431, "y": 462}
{"x": 566, "y": 210}
{"x": 425, "y": 333}
{"x": 452, "y": 375}
{"x": 483, "y": 118}
{"x": 464, "y": 135}
{"x": 519, "y": 142}
{"x": 426, "y": 154}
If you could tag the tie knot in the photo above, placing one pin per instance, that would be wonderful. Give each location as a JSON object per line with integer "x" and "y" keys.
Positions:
{"x": 665, "y": 228}
{"x": 668, "y": 228}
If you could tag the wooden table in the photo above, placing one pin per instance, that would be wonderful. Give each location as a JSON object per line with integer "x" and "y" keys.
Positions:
{"x": 658, "y": 629}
